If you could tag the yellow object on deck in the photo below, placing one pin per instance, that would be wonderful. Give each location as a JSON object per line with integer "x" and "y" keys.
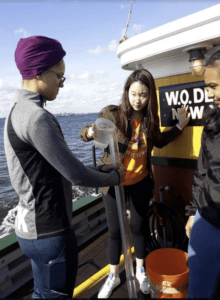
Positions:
{"x": 86, "y": 285}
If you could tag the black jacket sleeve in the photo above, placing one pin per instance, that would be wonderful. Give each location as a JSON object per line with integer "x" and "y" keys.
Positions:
{"x": 208, "y": 198}
{"x": 208, "y": 201}
{"x": 167, "y": 136}
{"x": 198, "y": 182}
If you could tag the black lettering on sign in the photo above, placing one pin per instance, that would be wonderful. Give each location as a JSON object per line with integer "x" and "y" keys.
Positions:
{"x": 173, "y": 97}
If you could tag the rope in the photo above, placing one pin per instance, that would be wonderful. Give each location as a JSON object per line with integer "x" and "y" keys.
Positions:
{"x": 166, "y": 215}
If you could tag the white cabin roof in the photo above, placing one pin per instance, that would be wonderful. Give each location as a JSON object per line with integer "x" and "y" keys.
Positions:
{"x": 163, "y": 50}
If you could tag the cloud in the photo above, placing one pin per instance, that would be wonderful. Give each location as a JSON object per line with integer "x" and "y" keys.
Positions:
{"x": 85, "y": 97}
{"x": 85, "y": 76}
{"x": 88, "y": 76}
{"x": 137, "y": 27}
{"x": 101, "y": 73}
{"x": 122, "y": 6}
{"x": 86, "y": 92}
{"x": 8, "y": 87}
{"x": 134, "y": 29}
{"x": 22, "y": 31}
{"x": 98, "y": 50}
{"x": 98, "y": 99}
{"x": 112, "y": 47}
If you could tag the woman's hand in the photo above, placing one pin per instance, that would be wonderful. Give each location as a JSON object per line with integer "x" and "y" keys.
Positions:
{"x": 183, "y": 116}
{"x": 119, "y": 168}
{"x": 121, "y": 172}
{"x": 189, "y": 225}
{"x": 89, "y": 133}
{"x": 92, "y": 132}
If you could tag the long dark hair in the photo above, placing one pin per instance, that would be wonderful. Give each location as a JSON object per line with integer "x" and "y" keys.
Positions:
{"x": 211, "y": 118}
{"x": 150, "y": 121}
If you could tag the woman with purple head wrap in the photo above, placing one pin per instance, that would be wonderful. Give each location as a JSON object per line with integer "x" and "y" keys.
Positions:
{"x": 37, "y": 58}
{"x": 43, "y": 169}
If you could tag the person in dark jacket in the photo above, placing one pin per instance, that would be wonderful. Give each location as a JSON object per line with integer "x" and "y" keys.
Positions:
{"x": 138, "y": 131}
{"x": 203, "y": 226}
{"x": 42, "y": 170}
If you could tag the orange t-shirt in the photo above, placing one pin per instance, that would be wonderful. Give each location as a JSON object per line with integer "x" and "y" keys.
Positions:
{"x": 135, "y": 158}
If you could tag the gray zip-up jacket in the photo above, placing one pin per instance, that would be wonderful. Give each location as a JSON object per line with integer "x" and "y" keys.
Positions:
{"x": 42, "y": 169}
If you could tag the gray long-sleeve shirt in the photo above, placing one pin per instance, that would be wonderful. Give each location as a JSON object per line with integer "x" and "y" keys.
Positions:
{"x": 42, "y": 169}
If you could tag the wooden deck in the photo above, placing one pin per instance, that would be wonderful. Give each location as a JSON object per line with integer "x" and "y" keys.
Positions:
{"x": 91, "y": 260}
{"x": 94, "y": 258}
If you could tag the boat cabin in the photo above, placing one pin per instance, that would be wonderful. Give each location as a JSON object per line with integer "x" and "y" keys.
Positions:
{"x": 174, "y": 54}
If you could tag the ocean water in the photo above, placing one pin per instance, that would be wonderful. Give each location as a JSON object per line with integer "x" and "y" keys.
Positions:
{"x": 71, "y": 126}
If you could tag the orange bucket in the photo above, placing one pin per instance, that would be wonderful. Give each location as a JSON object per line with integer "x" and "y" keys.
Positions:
{"x": 168, "y": 273}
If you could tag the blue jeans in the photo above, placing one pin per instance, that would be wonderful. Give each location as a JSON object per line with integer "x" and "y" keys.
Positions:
{"x": 54, "y": 264}
{"x": 203, "y": 259}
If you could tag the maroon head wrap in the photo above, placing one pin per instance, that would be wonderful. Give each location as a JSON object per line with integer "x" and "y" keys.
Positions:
{"x": 36, "y": 54}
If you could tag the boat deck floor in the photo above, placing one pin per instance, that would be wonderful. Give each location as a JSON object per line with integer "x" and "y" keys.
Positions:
{"x": 91, "y": 260}
{"x": 98, "y": 253}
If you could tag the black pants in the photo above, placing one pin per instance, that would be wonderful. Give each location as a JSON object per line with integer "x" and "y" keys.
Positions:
{"x": 139, "y": 196}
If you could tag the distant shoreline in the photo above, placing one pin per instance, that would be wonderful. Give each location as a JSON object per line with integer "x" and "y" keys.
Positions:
{"x": 67, "y": 114}
{"x": 73, "y": 114}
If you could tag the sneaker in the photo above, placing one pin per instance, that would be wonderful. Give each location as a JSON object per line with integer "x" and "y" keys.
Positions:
{"x": 111, "y": 282}
{"x": 143, "y": 280}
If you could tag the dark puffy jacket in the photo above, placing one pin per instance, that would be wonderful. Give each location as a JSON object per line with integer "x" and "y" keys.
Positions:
{"x": 206, "y": 185}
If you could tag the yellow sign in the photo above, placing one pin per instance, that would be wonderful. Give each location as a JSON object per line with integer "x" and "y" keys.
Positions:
{"x": 186, "y": 146}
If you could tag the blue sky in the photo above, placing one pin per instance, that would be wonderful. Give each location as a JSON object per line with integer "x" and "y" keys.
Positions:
{"x": 89, "y": 32}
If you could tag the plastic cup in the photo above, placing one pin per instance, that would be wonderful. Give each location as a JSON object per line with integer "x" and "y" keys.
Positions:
{"x": 104, "y": 128}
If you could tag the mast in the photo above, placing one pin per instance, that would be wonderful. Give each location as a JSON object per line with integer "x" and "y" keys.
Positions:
{"x": 126, "y": 30}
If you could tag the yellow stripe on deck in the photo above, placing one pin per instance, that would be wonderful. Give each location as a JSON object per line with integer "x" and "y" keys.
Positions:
{"x": 93, "y": 280}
